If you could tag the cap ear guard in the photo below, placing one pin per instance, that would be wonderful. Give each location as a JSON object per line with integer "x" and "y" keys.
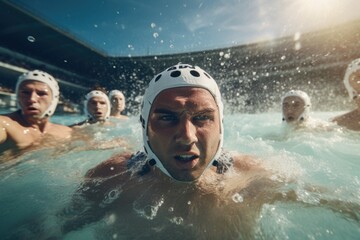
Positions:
{"x": 40, "y": 76}
{"x": 180, "y": 75}
{"x": 352, "y": 67}
{"x": 96, "y": 93}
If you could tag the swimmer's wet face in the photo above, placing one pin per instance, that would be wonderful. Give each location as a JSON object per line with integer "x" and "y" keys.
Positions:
{"x": 292, "y": 108}
{"x": 184, "y": 131}
{"x": 97, "y": 108}
{"x": 118, "y": 102}
{"x": 34, "y": 98}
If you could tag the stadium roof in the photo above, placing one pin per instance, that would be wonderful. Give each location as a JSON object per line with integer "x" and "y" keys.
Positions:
{"x": 26, "y": 34}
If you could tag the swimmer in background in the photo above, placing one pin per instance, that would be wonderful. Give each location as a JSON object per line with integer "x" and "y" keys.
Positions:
{"x": 296, "y": 107}
{"x": 117, "y": 100}
{"x": 96, "y": 108}
{"x": 37, "y": 95}
{"x": 184, "y": 185}
{"x": 351, "y": 120}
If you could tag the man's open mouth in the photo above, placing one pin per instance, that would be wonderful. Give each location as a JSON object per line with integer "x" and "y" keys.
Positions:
{"x": 185, "y": 158}
{"x": 290, "y": 118}
{"x": 32, "y": 109}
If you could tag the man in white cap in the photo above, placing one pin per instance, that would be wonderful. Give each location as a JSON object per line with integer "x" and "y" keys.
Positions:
{"x": 183, "y": 180}
{"x": 351, "y": 120}
{"x": 96, "y": 108}
{"x": 296, "y": 107}
{"x": 37, "y": 95}
{"x": 117, "y": 100}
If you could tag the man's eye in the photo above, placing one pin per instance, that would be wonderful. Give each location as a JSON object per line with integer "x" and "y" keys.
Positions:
{"x": 167, "y": 118}
{"x": 203, "y": 117}
{"x": 42, "y": 93}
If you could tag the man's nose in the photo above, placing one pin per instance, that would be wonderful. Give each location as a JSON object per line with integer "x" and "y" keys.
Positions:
{"x": 33, "y": 96}
{"x": 186, "y": 132}
{"x": 99, "y": 105}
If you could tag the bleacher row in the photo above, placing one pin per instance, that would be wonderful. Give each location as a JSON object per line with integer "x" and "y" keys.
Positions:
{"x": 252, "y": 77}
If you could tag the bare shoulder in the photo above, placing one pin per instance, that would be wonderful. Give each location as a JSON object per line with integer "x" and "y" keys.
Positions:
{"x": 350, "y": 120}
{"x": 9, "y": 125}
{"x": 8, "y": 118}
{"x": 110, "y": 167}
{"x": 341, "y": 119}
{"x": 245, "y": 162}
{"x": 62, "y": 127}
{"x": 61, "y": 131}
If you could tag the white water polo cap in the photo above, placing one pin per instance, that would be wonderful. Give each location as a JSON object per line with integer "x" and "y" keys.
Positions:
{"x": 181, "y": 75}
{"x": 352, "y": 67}
{"x": 116, "y": 93}
{"x": 96, "y": 93}
{"x": 305, "y": 98}
{"x": 46, "y": 78}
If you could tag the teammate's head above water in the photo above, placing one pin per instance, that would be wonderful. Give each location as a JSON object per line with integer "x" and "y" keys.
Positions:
{"x": 115, "y": 92}
{"x": 180, "y": 75}
{"x": 353, "y": 67}
{"x": 295, "y": 106}
{"x": 97, "y": 94}
{"x": 43, "y": 77}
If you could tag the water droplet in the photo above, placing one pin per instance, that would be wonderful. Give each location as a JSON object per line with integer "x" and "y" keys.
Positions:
{"x": 31, "y": 39}
{"x": 297, "y": 46}
{"x": 237, "y": 198}
{"x": 297, "y": 36}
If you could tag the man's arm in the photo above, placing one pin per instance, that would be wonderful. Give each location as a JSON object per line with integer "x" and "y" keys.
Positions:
{"x": 3, "y": 131}
{"x": 349, "y": 210}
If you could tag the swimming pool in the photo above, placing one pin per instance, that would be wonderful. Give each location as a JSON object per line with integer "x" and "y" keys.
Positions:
{"x": 37, "y": 184}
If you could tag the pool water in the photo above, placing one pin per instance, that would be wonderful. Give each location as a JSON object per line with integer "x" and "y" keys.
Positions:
{"x": 35, "y": 185}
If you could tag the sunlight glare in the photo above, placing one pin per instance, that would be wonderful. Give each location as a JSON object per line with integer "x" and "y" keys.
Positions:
{"x": 321, "y": 10}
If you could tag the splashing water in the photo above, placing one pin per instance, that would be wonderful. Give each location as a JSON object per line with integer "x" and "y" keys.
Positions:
{"x": 38, "y": 183}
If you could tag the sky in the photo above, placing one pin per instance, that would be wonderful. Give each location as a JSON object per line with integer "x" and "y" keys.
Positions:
{"x": 154, "y": 27}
